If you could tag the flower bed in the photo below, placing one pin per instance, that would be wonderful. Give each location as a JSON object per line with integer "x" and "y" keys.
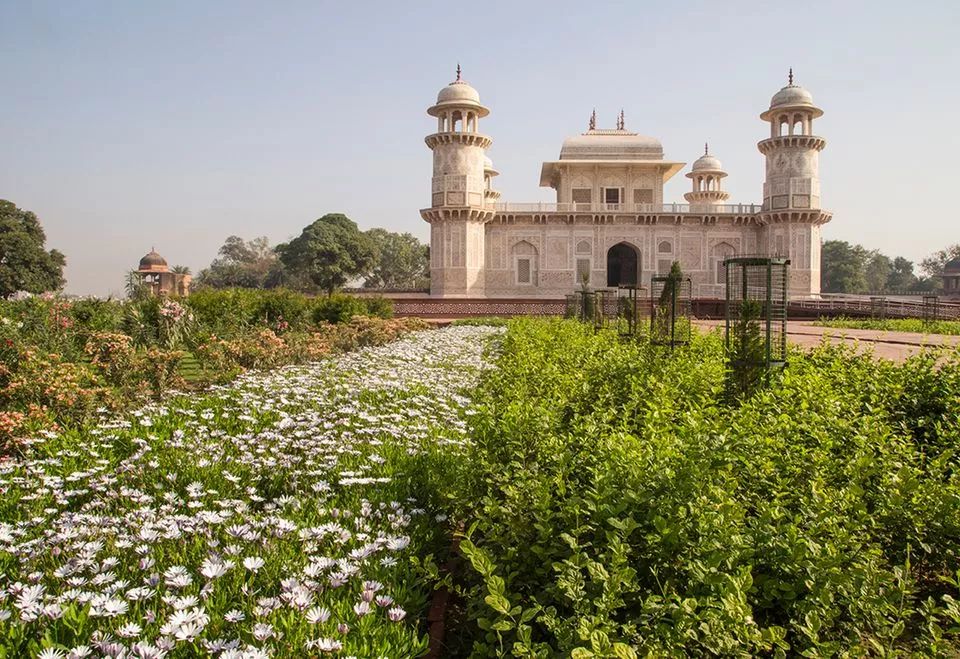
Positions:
{"x": 291, "y": 513}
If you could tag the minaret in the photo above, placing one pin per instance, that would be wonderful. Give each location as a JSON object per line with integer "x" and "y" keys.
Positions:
{"x": 461, "y": 199}
{"x": 792, "y": 214}
{"x": 706, "y": 176}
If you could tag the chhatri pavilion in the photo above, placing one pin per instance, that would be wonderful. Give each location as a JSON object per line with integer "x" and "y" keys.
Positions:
{"x": 610, "y": 224}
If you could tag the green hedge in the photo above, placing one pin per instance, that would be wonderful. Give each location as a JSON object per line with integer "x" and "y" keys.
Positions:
{"x": 615, "y": 506}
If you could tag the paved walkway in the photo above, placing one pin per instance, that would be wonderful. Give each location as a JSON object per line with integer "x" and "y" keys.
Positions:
{"x": 889, "y": 345}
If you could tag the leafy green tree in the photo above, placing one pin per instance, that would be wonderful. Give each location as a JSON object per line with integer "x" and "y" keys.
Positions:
{"x": 901, "y": 277}
{"x": 932, "y": 266}
{"x": 135, "y": 287}
{"x": 24, "y": 263}
{"x": 180, "y": 270}
{"x": 842, "y": 267}
{"x": 242, "y": 264}
{"x": 329, "y": 253}
{"x": 402, "y": 261}
{"x": 877, "y": 271}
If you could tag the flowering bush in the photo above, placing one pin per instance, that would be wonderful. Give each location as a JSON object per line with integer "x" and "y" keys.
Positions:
{"x": 292, "y": 513}
{"x": 113, "y": 354}
{"x": 70, "y": 391}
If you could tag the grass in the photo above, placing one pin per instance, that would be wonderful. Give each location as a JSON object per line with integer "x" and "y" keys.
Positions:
{"x": 947, "y": 327}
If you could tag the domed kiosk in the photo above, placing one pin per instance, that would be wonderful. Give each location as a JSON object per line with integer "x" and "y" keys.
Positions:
{"x": 155, "y": 274}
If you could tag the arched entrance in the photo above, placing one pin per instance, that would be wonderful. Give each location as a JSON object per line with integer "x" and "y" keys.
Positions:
{"x": 623, "y": 266}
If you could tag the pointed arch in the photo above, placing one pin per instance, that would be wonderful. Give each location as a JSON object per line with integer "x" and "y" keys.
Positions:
{"x": 623, "y": 265}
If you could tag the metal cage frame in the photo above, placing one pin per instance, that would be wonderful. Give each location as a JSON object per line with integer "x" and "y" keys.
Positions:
{"x": 931, "y": 309}
{"x": 670, "y": 302}
{"x": 629, "y": 308}
{"x": 755, "y": 338}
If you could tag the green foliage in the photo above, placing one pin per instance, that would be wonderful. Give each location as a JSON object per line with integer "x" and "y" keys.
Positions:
{"x": 847, "y": 268}
{"x": 329, "y": 252}
{"x": 932, "y": 266}
{"x": 24, "y": 263}
{"x": 748, "y": 362}
{"x": 402, "y": 261}
{"x": 490, "y": 321}
{"x": 842, "y": 267}
{"x": 242, "y": 264}
{"x": 949, "y": 327}
{"x": 615, "y": 504}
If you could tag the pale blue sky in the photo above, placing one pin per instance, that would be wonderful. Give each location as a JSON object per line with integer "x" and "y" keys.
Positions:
{"x": 130, "y": 124}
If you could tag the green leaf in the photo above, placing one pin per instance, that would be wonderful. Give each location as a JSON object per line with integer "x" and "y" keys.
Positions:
{"x": 498, "y": 603}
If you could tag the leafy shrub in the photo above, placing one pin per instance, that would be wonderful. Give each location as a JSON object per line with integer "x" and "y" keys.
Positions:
{"x": 112, "y": 353}
{"x": 617, "y": 507}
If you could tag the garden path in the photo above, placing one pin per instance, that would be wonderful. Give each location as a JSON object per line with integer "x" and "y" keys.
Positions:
{"x": 896, "y": 346}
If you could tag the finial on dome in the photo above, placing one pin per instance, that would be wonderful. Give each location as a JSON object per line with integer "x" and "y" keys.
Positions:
{"x": 790, "y": 77}
{"x": 620, "y": 120}
{"x": 706, "y": 149}
{"x": 458, "y": 72}
{"x": 593, "y": 120}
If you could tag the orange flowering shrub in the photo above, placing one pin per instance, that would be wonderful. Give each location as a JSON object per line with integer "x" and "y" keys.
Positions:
{"x": 71, "y": 391}
{"x": 112, "y": 353}
{"x": 159, "y": 368}
{"x": 15, "y": 424}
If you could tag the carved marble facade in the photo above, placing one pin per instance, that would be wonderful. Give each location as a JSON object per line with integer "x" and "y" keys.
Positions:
{"x": 610, "y": 223}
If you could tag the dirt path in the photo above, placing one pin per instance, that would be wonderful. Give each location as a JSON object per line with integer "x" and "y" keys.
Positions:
{"x": 896, "y": 346}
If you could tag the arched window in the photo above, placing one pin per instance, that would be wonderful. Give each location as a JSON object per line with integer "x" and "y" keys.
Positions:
{"x": 781, "y": 121}
{"x": 797, "y": 128}
{"x": 524, "y": 256}
{"x": 583, "y": 247}
{"x": 719, "y": 253}
{"x": 665, "y": 247}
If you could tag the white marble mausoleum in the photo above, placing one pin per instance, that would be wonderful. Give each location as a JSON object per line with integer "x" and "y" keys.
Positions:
{"x": 610, "y": 222}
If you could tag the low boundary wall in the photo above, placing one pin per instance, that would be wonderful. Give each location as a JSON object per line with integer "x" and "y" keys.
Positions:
{"x": 425, "y": 306}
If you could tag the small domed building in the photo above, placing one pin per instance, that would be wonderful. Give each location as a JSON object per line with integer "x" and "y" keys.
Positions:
{"x": 610, "y": 223}
{"x": 154, "y": 273}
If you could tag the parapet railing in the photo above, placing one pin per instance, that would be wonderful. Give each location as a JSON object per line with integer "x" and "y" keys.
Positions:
{"x": 548, "y": 207}
{"x": 890, "y": 308}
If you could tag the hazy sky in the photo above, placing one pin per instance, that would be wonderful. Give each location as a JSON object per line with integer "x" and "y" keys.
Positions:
{"x": 125, "y": 125}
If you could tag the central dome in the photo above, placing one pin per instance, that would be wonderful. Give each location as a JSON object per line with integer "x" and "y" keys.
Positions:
{"x": 152, "y": 261}
{"x": 599, "y": 144}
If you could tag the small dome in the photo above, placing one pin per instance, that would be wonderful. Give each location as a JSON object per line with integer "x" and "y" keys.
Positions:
{"x": 791, "y": 96}
{"x": 952, "y": 266}
{"x": 152, "y": 260}
{"x": 458, "y": 92}
{"x": 707, "y": 163}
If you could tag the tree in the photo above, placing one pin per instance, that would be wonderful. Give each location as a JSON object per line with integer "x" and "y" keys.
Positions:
{"x": 329, "y": 252}
{"x": 24, "y": 263}
{"x": 932, "y": 266}
{"x": 180, "y": 270}
{"x": 242, "y": 264}
{"x": 877, "y": 271}
{"x": 842, "y": 267}
{"x": 135, "y": 287}
{"x": 901, "y": 277}
{"x": 402, "y": 261}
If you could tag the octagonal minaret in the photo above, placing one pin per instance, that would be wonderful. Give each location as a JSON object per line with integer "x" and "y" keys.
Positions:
{"x": 792, "y": 212}
{"x": 706, "y": 176}
{"x": 461, "y": 200}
